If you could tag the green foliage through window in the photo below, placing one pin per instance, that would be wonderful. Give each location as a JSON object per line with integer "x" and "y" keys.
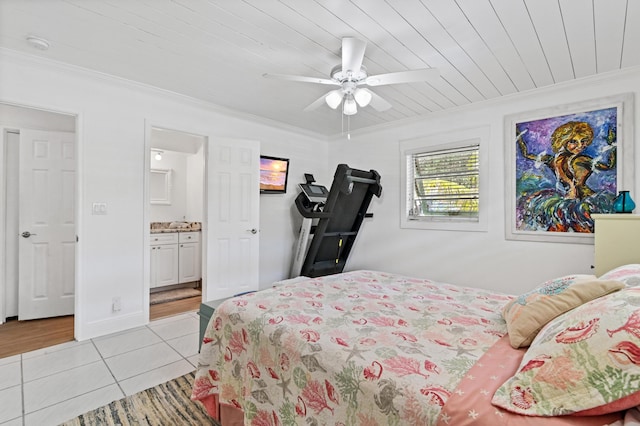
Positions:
{"x": 446, "y": 183}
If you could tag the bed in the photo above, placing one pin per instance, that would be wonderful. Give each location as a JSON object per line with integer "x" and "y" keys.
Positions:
{"x": 373, "y": 348}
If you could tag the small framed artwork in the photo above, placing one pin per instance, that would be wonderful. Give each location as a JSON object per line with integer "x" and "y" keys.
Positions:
{"x": 274, "y": 173}
{"x": 564, "y": 164}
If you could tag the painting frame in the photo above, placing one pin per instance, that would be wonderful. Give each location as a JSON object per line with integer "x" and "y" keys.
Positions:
{"x": 622, "y": 105}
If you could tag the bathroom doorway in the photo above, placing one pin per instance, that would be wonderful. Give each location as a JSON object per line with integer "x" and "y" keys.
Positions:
{"x": 176, "y": 215}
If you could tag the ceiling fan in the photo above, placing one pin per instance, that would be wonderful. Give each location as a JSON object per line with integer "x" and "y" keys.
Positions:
{"x": 351, "y": 74}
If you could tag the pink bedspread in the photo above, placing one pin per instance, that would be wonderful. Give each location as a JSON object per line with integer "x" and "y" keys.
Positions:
{"x": 359, "y": 348}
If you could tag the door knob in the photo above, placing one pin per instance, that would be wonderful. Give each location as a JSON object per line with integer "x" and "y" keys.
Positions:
{"x": 27, "y": 234}
{"x": 253, "y": 231}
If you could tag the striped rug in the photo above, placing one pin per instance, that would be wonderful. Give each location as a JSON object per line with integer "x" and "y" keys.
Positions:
{"x": 165, "y": 404}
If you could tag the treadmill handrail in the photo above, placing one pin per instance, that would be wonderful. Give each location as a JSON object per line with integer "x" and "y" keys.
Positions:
{"x": 305, "y": 212}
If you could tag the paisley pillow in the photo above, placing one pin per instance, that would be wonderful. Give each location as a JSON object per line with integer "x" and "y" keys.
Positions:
{"x": 585, "y": 359}
{"x": 628, "y": 274}
{"x": 528, "y": 313}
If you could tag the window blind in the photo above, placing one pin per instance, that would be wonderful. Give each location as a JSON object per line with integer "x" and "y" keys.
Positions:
{"x": 446, "y": 183}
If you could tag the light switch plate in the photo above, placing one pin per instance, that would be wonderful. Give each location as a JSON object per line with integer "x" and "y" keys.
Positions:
{"x": 99, "y": 208}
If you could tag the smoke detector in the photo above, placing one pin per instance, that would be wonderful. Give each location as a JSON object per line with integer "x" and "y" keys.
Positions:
{"x": 38, "y": 42}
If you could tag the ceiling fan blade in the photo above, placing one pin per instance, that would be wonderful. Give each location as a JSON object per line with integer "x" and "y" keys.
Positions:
{"x": 321, "y": 101}
{"x": 426, "y": 74}
{"x": 378, "y": 103}
{"x": 301, "y": 79}
{"x": 352, "y": 54}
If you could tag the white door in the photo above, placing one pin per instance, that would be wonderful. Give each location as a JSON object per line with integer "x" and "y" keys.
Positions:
{"x": 47, "y": 224}
{"x": 234, "y": 213}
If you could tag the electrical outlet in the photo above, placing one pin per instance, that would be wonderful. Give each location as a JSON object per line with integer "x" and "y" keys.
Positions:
{"x": 115, "y": 304}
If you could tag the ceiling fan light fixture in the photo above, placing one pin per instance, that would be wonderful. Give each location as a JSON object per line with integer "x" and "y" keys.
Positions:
{"x": 333, "y": 99}
{"x": 362, "y": 97}
{"x": 349, "y": 107}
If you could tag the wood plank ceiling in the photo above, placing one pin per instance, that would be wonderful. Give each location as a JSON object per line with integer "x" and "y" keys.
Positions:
{"x": 218, "y": 50}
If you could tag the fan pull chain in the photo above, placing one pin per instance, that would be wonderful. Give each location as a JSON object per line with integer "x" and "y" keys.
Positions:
{"x": 342, "y": 118}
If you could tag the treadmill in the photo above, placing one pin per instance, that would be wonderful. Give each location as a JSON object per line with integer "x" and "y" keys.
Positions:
{"x": 332, "y": 220}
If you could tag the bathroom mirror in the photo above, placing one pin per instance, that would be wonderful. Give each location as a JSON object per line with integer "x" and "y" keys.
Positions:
{"x": 160, "y": 186}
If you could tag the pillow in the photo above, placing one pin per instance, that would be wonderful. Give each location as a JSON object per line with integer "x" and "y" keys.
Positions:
{"x": 528, "y": 313}
{"x": 628, "y": 274}
{"x": 470, "y": 402}
{"x": 585, "y": 359}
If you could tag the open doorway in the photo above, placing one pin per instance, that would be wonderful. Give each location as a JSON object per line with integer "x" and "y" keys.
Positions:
{"x": 38, "y": 190}
{"x": 176, "y": 214}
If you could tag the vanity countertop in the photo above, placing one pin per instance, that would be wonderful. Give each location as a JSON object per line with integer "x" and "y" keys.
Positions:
{"x": 169, "y": 231}
{"x": 171, "y": 227}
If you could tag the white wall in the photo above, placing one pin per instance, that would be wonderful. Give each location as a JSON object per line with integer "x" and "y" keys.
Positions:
{"x": 482, "y": 259}
{"x": 277, "y": 241}
{"x": 112, "y": 117}
{"x": 12, "y": 188}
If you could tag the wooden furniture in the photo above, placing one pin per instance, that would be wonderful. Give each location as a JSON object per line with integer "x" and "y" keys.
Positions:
{"x": 616, "y": 241}
{"x": 175, "y": 258}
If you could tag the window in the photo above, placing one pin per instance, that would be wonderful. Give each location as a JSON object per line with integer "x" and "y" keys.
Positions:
{"x": 445, "y": 183}
{"x": 443, "y": 178}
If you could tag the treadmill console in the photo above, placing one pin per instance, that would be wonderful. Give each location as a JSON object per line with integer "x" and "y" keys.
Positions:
{"x": 315, "y": 193}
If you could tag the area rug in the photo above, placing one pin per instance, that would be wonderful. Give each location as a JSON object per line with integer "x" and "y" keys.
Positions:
{"x": 172, "y": 295}
{"x": 165, "y": 404}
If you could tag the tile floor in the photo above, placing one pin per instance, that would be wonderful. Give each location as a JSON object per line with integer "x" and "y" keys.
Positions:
{"x": 55, "y": 384}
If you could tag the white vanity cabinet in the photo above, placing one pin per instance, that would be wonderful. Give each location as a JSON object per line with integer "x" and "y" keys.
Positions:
{"x": 175, "y": 258}
{"x": 616, "y": 241}
{"x": 164, "y": 259}
{"x": 190, "y": 263}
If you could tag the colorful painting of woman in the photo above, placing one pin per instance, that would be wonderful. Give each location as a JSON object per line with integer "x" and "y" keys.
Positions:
{"x": 565, "y": 171}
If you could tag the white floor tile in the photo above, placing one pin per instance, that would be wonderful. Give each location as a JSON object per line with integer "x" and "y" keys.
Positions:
{"x": 172, "y": 318}
{"x": 10, "y": 375}
{"x": 141, "y": 360}
{"x": 14, "y": 422}
{"x": 155, "y": 377}
{"x": 11, "y": 406}
{"x": 124, "y": 342}
{"x": 73, "y": 407}
{"x": 49, "y": 390}
{"x": 53, "y": 362}
{"x": 185, "y": 345}
{"x": 52, "y": 349}
{"x": 9, "y": 359}
{"x": 58, "y": 383}
{"x": 176, "y": 328}
{"x": 194, "y": 360}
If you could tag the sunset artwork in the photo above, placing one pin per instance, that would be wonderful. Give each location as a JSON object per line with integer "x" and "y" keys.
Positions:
{"x": 273, "y": 174}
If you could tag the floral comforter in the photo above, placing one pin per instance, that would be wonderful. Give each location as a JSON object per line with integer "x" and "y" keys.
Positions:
{"x": 359, "y": 348}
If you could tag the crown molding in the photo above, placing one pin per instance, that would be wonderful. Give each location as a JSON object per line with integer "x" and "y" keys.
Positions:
{"x": 39, "y": 61}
